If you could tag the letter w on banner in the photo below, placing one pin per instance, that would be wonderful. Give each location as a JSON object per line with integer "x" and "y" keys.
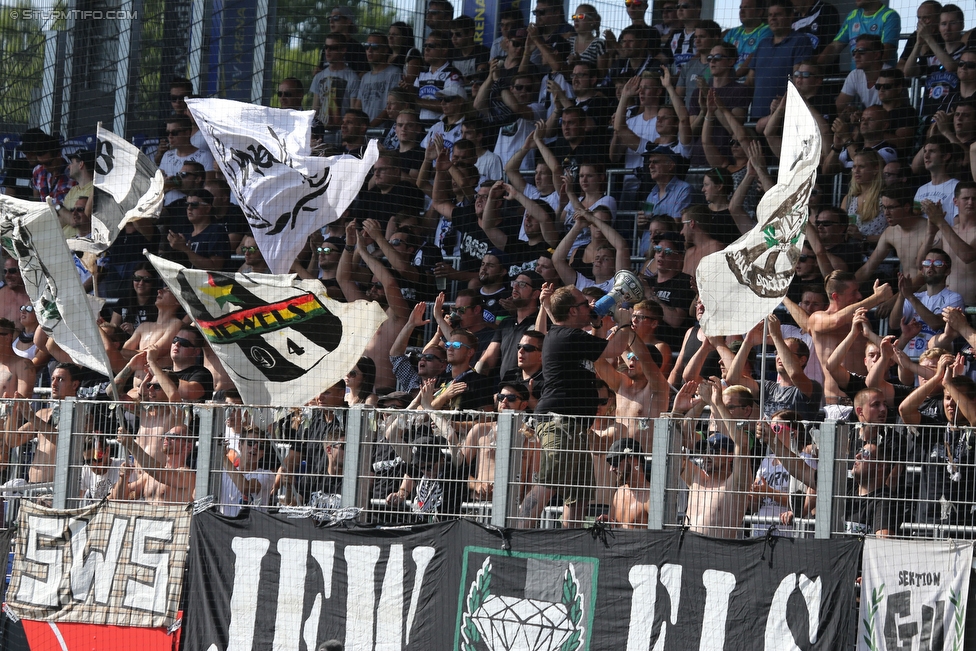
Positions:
{"x": 744, "y": 283}
{"x": 284, "y": 191}
{"x": 282, "y": 341}
{"x": 113, "y": 564}
{"x": 128, "y": 186}
{"x": 31, "y": 233}
{"x": 914, "y": 594}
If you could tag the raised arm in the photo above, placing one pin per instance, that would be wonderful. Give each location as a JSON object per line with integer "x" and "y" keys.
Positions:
{"x": 791, "y": 363}
{"x": 909, "y": 408}
{"x": 414, "y": 320}
{"x": 736, "y": 372}
{"x": 623, "y": 134}
{"x": 560, "y": 257}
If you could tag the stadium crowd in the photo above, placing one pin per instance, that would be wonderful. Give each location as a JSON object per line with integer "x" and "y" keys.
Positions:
{"x": 490, "y": 227}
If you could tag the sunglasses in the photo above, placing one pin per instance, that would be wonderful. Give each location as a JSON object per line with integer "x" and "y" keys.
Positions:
{"x": 322, "y": 249}
{"x": 175, "y": 132}
{"x": 183, "y": 175}
{"x": 249, "y": 249}
{"x": 427, "y": 357}
{"x": 716, "y": 57}
{"x": 507, "y": 397}
{"x": 397, "y": 242}
{"x": 432, "y": 46}
{"x": 665, "y": 251}
{"x": 966, "y": 65}
{"x": 602, "y": 401}
{"x": 529, "y": 348}
{"x": 373, "y": 46}
{"x": 10, "y": 272}
{"x": 805, "y": 257}
{"x": 779, "y": 428}
{"x": 185, "y": 343}
{"x": 177, "y": 98}
{"x": 828, "y": 224}
{"x": 142, "y": 279}
{"x": 634, "y": 3}
{"x": 521, "y": 87}
{"x": 195, "y": 204}
{"x": 26, "y": 308}
{"x": 861, "y": 50}
{"x": 287, "y": 93}
{"x": 353, "y": 373}
{"x": 456, "y": 345}
{"x": 864, "y": 453}
{"x": 888, "y": 86}
{"x": 578, "y": 17}
{"x": 933, "y": 263}
{"x": 155, "y": 387}
{"x": 802, "y": 74}
{"x": 77, "y": 210}
{"x": 734, "y": 143}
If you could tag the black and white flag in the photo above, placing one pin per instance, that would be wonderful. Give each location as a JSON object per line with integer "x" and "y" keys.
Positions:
{"x": 281, "y": 340}
{"x": 284, "y": 191}
{"x": 128, "y": 186}
{"x": 31, "y": 233}
{"x": 742, "y": 284}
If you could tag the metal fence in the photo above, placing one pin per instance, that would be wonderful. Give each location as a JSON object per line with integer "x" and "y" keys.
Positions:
{"x": 508, "y": 469}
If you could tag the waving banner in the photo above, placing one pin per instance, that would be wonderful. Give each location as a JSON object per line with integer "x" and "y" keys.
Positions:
{"x": 742, "y": 284}
{"x": 284, "y": 191}
{"x": 283, "y": 341}
{"x": 31, "y": 233}
{"x": 914, "y": 594}
{"x": 128, "y": 186}
{"x": 290, "y": 584}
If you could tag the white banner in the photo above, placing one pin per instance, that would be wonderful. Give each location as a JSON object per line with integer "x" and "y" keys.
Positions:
{"x": 914, "y": 594}
{"x": 281, "y": 340}
{"x": 284, "y": 191}
{"x": 32, "y": 234}
{"x": 745, "y": 282}
{"x": 128, "y": 186}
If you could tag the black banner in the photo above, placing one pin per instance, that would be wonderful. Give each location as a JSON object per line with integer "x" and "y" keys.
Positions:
{"x": 261, "y": 582}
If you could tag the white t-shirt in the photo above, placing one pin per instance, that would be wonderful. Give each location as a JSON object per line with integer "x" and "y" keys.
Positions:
{"x": 95, "y": 487}
{"x": 944, "y": 193}
{"x": 512, "y": 136}
{"x": 172, "y": 162}
{"x": 231, "y": 498}
{"x": 646, "y": 130}
{"x": 935, "y": 303}
{"x": 429, "y": 83}
{"x": 490, "y": 166}
{"x": 451, "y": 135}
{"x": 584, "y": 237}
{"x": 532, "y": 192}
{"x": 813, "y": 369}
{"x": 856, "y": 85}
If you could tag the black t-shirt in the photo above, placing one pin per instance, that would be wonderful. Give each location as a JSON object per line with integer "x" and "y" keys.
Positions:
{"x": 723, "y": 227}
{"x": 412, "y": 159}
{"x": 523, "y": 256}
{"x": 199, "y": 374}
{"x": 373, "y": 204}
{"x": 508, "y": 335}
{"x": 676, "y": 293}
{"x": 131, "y": 312}
{"x": 852, "y": 253}
{"x": 477, "y": 394}
{"x": 567, "y": 364}
{"x": 474, "y": 241}
{"x": 492, "y": 308}
{"x": 876, "y": 511}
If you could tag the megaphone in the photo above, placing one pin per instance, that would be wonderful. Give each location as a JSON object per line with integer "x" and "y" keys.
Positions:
{"x": 627, "y": 288}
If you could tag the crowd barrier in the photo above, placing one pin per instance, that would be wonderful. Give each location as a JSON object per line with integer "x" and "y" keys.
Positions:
{"x": 371, "y": 465}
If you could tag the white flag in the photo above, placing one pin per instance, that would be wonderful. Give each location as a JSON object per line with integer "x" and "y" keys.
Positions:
{"x": 31, "y": 233}
{"x": 128, "y": 186}
{"x": 281, "y": 340}
{"x": 742, "y": 284}
{"x": 284, "y": 191}
{"x": 914, "y": 594}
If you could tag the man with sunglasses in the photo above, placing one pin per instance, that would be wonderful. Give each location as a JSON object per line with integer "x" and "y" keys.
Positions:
{"x": 479, "y": 446}
{"x": 342, "y": 22}
{"x": 173, "y": 482}
{"x": 642, "y": 389}
{"x": 334, "y": 87}
{"x": 432, "y": 363}
{"x": 204, "y": 245}
{"x": 81, "y": 169}
{"x": 902, "y": 116}
{"x": 376, "y": 84}
{"x": 671, "y": 288}
{"x": 12, "y": 294}
{"x": 631, "y": 470}
{"x": 469, "y": 57}
{"x": 187, "y": 380}
{"x": 927, "y": 305}
{"x": 904, "y": 236}
{"x": 290, "y": 94}
{"x": 467, "y": 314}
{"x": 465, "y": 388}
{"x": 172, "y": 163}
{"x": 859, "y": 84}
{"x": 528, "y": 369}
{"x": 870, "y": 17}
{"x": 17, "y": 375}
{"x": 871, "y": 507}
{"x": 440, "y": 76}
{"x": 505, "y": 352}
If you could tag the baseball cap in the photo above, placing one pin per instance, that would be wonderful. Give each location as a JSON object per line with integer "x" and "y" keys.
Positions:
{"x": 720, "y": 444}
{"x": 428, "y": 449}
{"x": 86, "y": 156}
{"x": 452, "y": 91}
{"x": 623, "y": 448}
{"x": 346, "y": 12}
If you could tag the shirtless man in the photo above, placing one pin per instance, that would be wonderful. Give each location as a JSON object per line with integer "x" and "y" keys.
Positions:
{"x": 158, "y": 333}
{"x": 905, "y": 234}
{"x": 642, "y": 390}
{"x": 171, "y": 483}
{"x": 479, "y": 445}
{"x": 958, "y": 240}
{"x": 43, "y": 424}
{"x": 632, "y": 497}
{"x": 12, "y": 294}
{"x": 604, "y": 432}
{"x": 154, "y": 417}
{"x": 17, "y": 375}
{"x": 830, "y": 326}
{"x": 719, "y": 488}
{"x": 397, "y": 309}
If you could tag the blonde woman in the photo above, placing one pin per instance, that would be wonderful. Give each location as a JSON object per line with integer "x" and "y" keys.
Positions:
{"x": 863, "y": 200}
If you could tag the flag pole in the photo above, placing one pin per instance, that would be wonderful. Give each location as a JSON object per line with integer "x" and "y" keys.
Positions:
{"x": 762, "y": 368}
